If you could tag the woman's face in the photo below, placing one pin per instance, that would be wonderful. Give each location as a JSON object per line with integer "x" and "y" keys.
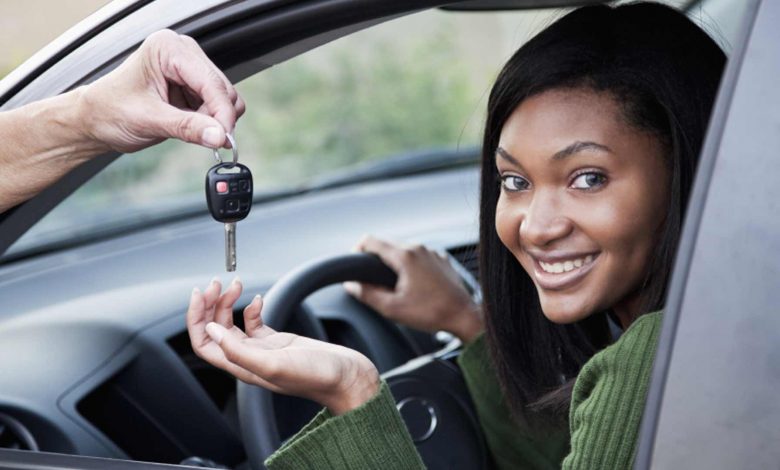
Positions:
{"x": 583, "y": 196}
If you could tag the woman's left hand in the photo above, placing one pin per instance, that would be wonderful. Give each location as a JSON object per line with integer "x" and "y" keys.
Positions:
{"x": 334, "y": 376}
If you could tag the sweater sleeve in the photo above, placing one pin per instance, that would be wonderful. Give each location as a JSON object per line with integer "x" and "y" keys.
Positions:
{"x": 511, "y": 444}
{"x": 609, "y": 397}
{"x": 372, "y": 436}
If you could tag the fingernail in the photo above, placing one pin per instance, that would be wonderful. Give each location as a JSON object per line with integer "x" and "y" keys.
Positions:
{"x": 195, "y": 290}
{"x": 215, "y": 280}
{"x": 236, "y": 280}
{"x": 216, "y": 332}
{"x": 257, "y": 298}
{"x": 350, "y": 286}
{"x": 213, "y": 137}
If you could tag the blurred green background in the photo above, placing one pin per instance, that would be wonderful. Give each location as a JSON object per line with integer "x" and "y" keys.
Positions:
{"x": 411, "y": 84}
{"x": 414, "y": 83}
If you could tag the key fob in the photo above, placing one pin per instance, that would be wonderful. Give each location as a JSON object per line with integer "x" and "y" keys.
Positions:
{"x": 229, "y": 192}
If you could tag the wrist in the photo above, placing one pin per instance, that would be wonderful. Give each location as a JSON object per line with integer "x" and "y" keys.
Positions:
{"x": 468, "y": 323}
{"x": 88, "y": 119}
{"x": 39, "y": 143}
{"x": 361, "y": 390}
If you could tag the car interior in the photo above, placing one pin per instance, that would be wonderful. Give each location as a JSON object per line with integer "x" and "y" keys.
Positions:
{"x": 358, "y": 121}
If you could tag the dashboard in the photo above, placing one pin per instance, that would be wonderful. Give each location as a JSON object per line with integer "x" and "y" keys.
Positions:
{"x": 94, "y": 354}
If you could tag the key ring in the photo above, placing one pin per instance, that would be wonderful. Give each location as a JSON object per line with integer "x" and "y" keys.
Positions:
{"x": 233, "y": 147}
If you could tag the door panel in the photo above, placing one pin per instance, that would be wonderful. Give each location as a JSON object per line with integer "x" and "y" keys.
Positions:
{"x": 713, "y": 402}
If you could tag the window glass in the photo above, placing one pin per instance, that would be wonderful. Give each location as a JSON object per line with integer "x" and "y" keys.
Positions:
{"x": 416, "y": 83}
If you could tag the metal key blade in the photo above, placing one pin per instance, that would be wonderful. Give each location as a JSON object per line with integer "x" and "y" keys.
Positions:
{"x": 230, "y": 246}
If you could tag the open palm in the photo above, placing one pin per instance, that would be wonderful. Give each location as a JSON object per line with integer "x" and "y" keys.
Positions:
{"x": 332, "y": 375}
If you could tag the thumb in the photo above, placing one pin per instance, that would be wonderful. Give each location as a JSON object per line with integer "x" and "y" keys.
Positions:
{"x": 238, "y": 356}
{"x": 262, "y": 362}
{"x": 376, "y": 297}
{"x": 232, "y": 347}
{"x": 189, "y": 126}
{"x": 216, "y": 332}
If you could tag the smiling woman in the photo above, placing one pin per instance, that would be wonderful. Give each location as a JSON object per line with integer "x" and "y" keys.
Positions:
{"x": 591, "y": 141}
{"x": 595, "y": 76}
{"x": 570, "y": 170}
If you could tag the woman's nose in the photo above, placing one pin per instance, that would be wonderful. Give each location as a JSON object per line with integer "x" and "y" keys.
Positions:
{"x": 544, "y": 221}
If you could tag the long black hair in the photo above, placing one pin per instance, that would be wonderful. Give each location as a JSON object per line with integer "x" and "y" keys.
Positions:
{"x": 664, "y": 71}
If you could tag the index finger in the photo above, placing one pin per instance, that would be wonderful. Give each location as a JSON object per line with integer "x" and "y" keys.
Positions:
{"x": 185, "y": 66}
{"x": 231, "y": 90}
{"x": 388, "y": 252}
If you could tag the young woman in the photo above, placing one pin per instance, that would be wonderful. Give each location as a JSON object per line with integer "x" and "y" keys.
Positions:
{"x": 591, "y": 142}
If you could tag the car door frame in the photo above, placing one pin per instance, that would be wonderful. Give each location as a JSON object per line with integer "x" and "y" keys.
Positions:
{"x": 695, "y": 243}
{"x": 718, "y": 354}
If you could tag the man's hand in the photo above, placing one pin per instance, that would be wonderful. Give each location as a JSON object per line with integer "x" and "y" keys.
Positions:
{"x": 334, "y": 376}
{"x": 166, "y": 88}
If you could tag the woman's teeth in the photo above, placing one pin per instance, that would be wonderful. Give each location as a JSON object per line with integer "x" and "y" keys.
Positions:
{"x": 565, "y": 266}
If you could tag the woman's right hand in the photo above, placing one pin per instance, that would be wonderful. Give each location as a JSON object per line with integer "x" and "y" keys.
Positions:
{"x": 428, "y": 296}
{"x": 336, "y": 377}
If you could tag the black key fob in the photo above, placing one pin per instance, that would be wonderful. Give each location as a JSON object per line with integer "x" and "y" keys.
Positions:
{"x": 229, "y": 192}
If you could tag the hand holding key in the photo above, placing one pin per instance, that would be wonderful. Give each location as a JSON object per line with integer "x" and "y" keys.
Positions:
{"x": 229, "y": 197}
{"x": 168, "y": 87}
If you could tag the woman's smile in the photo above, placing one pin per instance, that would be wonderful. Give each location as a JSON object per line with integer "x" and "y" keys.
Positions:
{"x": 558, "y": 271}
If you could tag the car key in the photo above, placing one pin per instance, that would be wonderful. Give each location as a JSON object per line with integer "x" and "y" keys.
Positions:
{"x": 229, "y": 198}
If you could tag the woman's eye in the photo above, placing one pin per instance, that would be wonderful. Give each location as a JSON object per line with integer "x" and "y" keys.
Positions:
{"x": 514, "y": 183}
{"x": 589, "y": 180}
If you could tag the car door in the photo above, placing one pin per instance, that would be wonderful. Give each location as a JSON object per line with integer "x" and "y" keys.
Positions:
{"x": 713, "y": 399}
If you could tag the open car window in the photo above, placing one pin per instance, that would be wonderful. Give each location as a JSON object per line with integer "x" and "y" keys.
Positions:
{"x": 415, "y": 84}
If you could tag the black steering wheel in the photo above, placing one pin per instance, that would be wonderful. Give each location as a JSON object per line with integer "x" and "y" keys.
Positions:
{"x": 429, "y": 391}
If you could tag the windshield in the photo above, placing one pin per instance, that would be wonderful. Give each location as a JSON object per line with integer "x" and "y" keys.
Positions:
{"x": 408, "y": 89}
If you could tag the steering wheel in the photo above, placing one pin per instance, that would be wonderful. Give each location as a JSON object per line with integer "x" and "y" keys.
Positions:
{"x": 429, "y": 391}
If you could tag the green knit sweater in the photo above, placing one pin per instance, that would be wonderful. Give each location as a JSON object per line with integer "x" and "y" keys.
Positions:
{"x": 606, "y": 409}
